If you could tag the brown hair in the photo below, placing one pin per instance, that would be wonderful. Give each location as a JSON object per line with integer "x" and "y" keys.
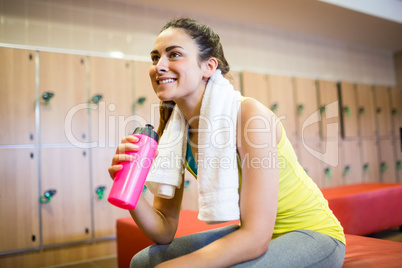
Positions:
{"x": 209, "y": 45}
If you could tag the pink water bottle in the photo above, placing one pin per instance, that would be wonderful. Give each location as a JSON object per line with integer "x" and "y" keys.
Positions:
{"x": 129, "y": 181}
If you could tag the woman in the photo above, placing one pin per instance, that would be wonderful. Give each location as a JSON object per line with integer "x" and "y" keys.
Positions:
{"x": 285, "y": 220}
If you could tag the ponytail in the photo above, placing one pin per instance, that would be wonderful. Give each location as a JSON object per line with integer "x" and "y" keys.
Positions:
{"x": 165, "y": 110}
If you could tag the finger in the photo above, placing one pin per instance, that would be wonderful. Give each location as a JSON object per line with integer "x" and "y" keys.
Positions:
{"x": 156, "y": 153}
{"x": 130, "y": 138}
{"x": 126, "y": 147}
{"x": 117, "y": 158}
{"x": 113, "y": 169}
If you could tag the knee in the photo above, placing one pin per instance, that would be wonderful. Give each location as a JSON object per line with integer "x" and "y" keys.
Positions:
{"x": 139, "y": 260}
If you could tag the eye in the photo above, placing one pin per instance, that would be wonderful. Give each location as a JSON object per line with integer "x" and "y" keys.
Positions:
{"x": 174, "y": 55}
{"x": 155, "y": 58}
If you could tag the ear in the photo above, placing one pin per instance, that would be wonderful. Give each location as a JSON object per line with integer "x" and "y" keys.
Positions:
{"x": 210, "y": 66}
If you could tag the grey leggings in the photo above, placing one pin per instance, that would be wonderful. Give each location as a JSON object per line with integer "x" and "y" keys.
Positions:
{"x": 300, "y": 248}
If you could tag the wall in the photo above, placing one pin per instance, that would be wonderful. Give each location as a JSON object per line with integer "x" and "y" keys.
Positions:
{"x": 102, "y": 26}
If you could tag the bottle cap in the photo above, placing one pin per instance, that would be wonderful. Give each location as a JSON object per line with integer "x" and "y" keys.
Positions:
{"x": 147, "y": 130}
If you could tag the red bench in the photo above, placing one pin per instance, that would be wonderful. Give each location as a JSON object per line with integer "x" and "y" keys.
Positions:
{"x": 366, "y": 208}
{"x": 361, "y": 209}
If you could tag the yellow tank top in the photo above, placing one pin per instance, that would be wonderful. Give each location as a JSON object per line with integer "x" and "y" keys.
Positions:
{"x": 301, "y": 204}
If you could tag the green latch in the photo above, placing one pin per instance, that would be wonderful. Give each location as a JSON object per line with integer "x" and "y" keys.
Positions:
{"x": 47, "y": 196}
{"x": 274, "y": 107}
{"x": 328, "y": 172}
{"x": 383, "y": 167}
{"x": 100, "y": 191}
{"x": 399, "y": 165}
{"x": 366, "y": 168}
{"x": 300, "y": 108}
{"x": 346, "y": 170}
{"x": 97, "y": 98}
{"x": 347, "y": 111}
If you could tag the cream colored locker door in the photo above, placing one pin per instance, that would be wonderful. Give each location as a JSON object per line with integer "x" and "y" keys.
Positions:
{"x": 19, "y": 206}
{"x": 329, "y": 106}
{"x": 146, "y": 103}
{"x": 348, "y": 110}
{"x": 63, "y": 98}
{"x": 396, "y": 110}
{"x": 387, "y": 161}
{"x": 281, "y": 102}
{"x": 255, "y": 85}
{"x": 370, "y": 161}
{"x": 366, "y": 111}
{"x": 111, "y": 97}
{"x": 234, "y": 78}
{"x": 64, "y": 163}
{"x": 351, "y": 162}
{"x": 308, "y": 153}
{"x": 18, "y": 96}
{"x": 331, "y": 166}
{"x": 67, "y": 217}
{"x": 383, "y": 111}
{"x": 307, "y": 117}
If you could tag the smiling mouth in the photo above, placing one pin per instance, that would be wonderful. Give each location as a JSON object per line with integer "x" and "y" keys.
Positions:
{"x": 165, "y": 81}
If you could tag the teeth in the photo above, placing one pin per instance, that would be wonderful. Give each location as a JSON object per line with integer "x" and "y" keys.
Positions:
{"x": 166, "y": 81}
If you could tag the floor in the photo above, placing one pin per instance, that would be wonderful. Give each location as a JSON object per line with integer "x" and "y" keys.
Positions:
{"x": 394, "y": 234}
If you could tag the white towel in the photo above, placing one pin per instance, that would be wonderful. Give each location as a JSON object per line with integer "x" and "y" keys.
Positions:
{"x": 168, "y": 167}
{"x": 217, "y": 174}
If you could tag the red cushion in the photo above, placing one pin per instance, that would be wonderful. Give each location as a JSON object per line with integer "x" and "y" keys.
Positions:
{"x": 367, "y": 252}
{"x": 130, "y": 239}
{"x": 366, "y": 208}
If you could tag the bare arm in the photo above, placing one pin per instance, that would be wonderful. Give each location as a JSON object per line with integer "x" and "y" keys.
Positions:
{"x": 258, "y": 197}
{"x": 159, "y": 222}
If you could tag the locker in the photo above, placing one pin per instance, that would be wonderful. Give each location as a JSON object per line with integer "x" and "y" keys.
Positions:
{"x": 387, "y": 161}
{"x": 370, "y": 161}
{"x": 307, "y": 112}
{"x": 255, "y": 85}
{"x": 19, "y": 208}
{"x": 63, "y": 99}
{"x": 383, "y": 111}
{"x": 18, "y": 96}
{"x": 281, "y": 102}
{"x": 366, "y": 112}
{"x": 329, "y": 107}
{"x": 351, "y": 162}
{"x": 310, "y": 162}
{"x": 348, "y": 110}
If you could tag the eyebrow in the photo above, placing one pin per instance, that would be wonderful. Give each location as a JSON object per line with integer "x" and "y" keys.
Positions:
{"x": 167, "y": 49}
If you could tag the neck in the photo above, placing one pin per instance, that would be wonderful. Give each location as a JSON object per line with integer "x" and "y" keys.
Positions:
{"x": 191, "y": 107}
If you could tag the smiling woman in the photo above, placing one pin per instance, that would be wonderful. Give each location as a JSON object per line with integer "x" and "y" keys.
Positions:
{"x": 248, "y": 174}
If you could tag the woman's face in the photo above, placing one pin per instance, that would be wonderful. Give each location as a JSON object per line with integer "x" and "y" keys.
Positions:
{"x": 176, "y": 72}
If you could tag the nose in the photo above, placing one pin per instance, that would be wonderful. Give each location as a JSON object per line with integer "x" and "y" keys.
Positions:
{"x": 162, "y": 65}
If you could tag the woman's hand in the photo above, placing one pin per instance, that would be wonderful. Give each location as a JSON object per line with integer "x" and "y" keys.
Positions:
{"x": 128, "y": 144}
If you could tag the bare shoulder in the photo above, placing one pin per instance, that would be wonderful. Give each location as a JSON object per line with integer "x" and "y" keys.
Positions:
{"x": 256, "y": 117}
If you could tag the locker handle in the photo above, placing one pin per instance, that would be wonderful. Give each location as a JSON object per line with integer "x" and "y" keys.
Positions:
{"x": 47, "y": 96}
{"x": 100, "y": 191}
{"x": 346, "y": 170}
{"x": 300, "y": 108}
{"x": 378, "y": 110}
{"x": 322, "y": 109}
{"x": 328, "y": 172}
{"x": 97, "y": 98}
{"x": 398, "y": 165}
{"x": 47, "y": 196}
{"x": 144, "y": 188}
{"x": 366, "y": 167}
{"x": 383, "y": 167}
{"x": 274, "y": 107}
{"x": 394, "y": 111}
{"x": 361, "y": 110}
{"x": 347, "y": 111}
{"x": 141, "y": 100}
